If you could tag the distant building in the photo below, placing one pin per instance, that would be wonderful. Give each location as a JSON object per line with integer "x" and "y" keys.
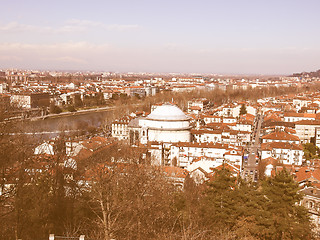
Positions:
{"x": 232, "y": 110}
{"x": 135, "y": 91}
{"x": 306, "y": 129}
{"x": 31, "y": 100}
{"x": 151, "y": 91}
{"x": 16, "y": 77}
{"x": 197, "y": 106}
{"x": 4, "y": 88}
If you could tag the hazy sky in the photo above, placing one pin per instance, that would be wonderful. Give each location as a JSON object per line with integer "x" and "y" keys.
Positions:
{"x": 202, "y": 36}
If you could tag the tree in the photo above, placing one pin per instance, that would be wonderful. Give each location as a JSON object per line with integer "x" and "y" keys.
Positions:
{"x": 15, "y": 197}
{"x": 130, "y": 201}
{"x": 71, "y": 108}
{"x": 243, "y": 109}
{"x": 310, "y": 150}
{"x": 285, "y": 219}
{"x": 55, "y": 109}
{"x": 77, "y": 101}
{"x": 219, "y": 207}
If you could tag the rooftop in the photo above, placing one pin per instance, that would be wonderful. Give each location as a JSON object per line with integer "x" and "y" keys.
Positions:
{"x": 168, "y": 112}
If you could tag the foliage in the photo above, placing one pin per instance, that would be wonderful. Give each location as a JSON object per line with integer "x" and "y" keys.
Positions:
{"x": 243, "y": 109}
{"x": 55, "y": 109}
{"x": 232, "y": 209}
{"x": 114, "y": 194}
{"x": 71, "y": 108}
{"x": 77, "y": 101}
{"x": 310, "y": 150}
{"x": 220, "y": 200}
{"x": 95, "y": 100}
{"x": 285, "y": 218}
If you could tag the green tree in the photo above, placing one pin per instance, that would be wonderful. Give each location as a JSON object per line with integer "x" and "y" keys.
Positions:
{"x": 219, "y": 207}
{"x": 310, "y": 150}
{"x": 77, "y": 100}
{"x": 243, "y": 109}
{"x": 71, "y": 108}
{"x": 285, "y": 219}
{"x": 55, "y": 109}
{"x": 250, "y": 212}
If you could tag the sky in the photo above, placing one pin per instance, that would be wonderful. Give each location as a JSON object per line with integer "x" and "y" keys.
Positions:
{"x": 187, "y": 36}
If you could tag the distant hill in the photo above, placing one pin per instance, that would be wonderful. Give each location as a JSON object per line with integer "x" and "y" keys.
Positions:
{"x": 307, "y": 74}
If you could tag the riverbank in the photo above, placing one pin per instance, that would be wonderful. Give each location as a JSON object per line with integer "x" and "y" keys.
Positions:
{"x": 65, "y": 114}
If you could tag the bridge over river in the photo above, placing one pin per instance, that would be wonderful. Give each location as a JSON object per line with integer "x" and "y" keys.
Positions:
{"x": 55, "y": 124}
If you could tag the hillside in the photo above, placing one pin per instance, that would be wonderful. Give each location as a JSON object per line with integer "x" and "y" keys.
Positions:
{"x": 307, "y": 74}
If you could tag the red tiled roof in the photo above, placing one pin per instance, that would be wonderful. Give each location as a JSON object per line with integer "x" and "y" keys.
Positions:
{"x": 308, "y": 174}
{"x": 301, "y": 115}
{"x": 201, "y": 145}
{"x": 280, "y": 145}
{"x": 280, "y": 135}
{"x": 208, "y": 131}
{"x": 195, "y": 108}
{"x": 308, "y": 122}
{"x": 173, "y": 171}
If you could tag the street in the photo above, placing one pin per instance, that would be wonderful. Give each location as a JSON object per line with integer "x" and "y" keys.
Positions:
{"x": 250, "y": 167}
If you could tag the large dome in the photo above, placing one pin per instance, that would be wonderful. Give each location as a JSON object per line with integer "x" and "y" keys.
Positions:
{"x": 168, "y": 112}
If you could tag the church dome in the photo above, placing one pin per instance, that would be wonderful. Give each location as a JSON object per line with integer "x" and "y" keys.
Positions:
{"x": 168, "y": 112}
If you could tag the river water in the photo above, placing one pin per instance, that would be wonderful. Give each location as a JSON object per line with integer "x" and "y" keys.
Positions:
{"x": 72, "y": 122}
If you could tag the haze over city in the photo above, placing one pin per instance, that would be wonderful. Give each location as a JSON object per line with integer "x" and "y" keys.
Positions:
{"x": 227, "y": 37}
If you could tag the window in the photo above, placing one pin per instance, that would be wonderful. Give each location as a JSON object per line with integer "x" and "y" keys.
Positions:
{"x": 310, "y": 204}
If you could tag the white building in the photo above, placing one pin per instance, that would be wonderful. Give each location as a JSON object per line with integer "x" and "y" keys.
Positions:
{"x": 286, "y": 153}
{"x": 167, "y": 123}
{"x": 236, "y": 111}
{"x": 243, "y": 126}
{"x": 295, "y": 117}
{"x": 280, "y": 136}
{"x": 119, "y": 128}
{"x": 306, "y": 129}
{"x": 197, "y": 105}
{"x": 185, "y": 153}
{"x": 229, "y": 120}
{"x": 206, "y": 135}
{"x": 300, "y": 102}
{"x": 211, "y": 119}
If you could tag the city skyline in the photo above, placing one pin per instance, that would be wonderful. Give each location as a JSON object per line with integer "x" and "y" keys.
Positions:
{"x": 229, "y": 37}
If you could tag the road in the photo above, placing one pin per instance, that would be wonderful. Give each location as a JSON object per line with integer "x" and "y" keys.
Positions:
{"x": 63, "y": 114}
{"x": 250, "y": 170}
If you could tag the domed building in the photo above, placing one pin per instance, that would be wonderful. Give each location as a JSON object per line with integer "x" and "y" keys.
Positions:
{"x": 167, "y": 123}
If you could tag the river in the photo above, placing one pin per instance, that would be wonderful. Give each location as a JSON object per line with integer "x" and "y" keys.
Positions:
{"x": 69, "y": 122}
